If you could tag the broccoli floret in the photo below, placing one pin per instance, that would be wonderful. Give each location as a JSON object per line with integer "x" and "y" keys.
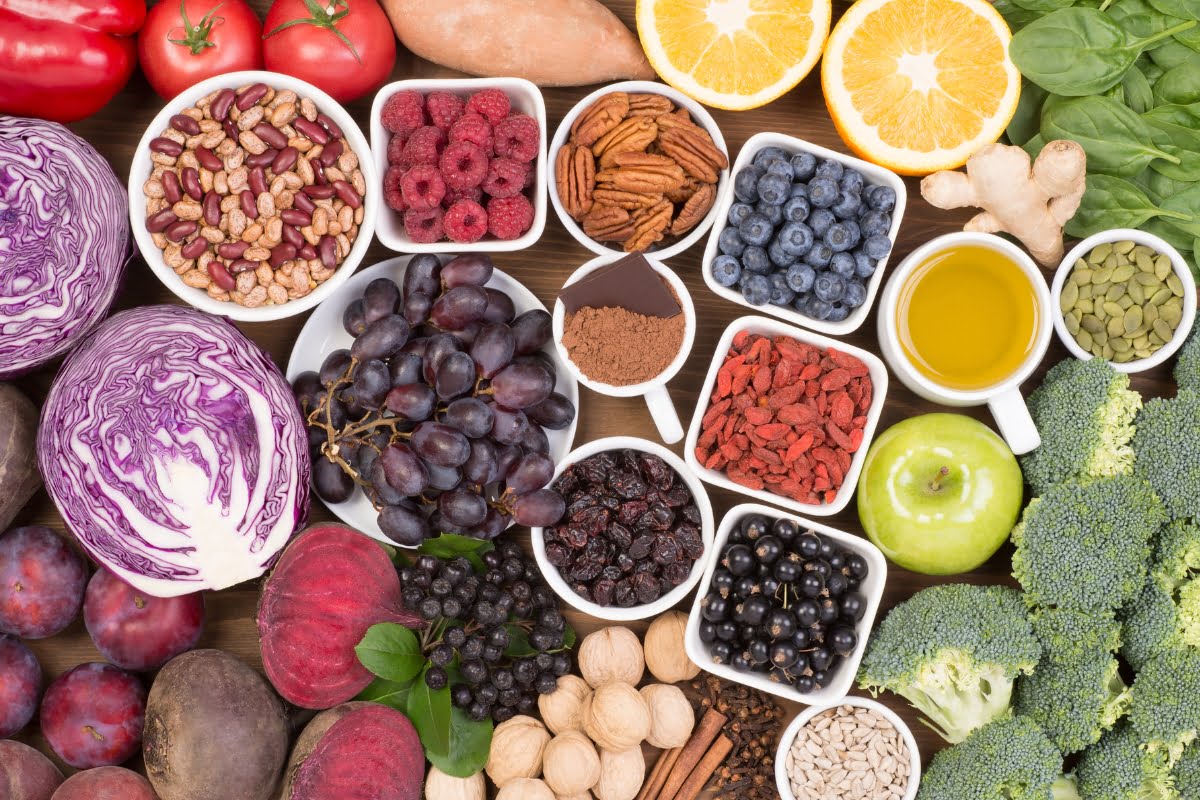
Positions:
{"x": 1166, "y": 615}
{"x": 1176, "y": 555}
{"x": 1065, "y": 788}
{"x": 1068, "y": 633}
{"x": 1074, "y": 700}
{"x": 1084, "y": 412}
{"x": 1187, "y": 772}
{"x": 953, "y": 651}
{"x": 1166, "y": 702}
{"x": 1167, "y": 445}
{"x": 1084, "y": 544}
{"x": 1119, "y": 768}
{"x": 1007, "y": 759}
{"x": 1150, "y": 625}
{"x": 1187, "y": 368}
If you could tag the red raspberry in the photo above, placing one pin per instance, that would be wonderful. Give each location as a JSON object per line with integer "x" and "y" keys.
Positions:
{"x": 505, "y": 177}
{"x": 463, "y": 165}
{"x": 403, "y": 112}
{"x": 474, "y": 129}
{"x": 454, "y": 195}
{"x": 392, "y": 193}
{"x": 444, "y": 109}
{"x": 395, "y": 151}
{"x": 425, "y": 146}
{"x": 466, "y": 222}
{"x": 423, "y": 187}
{"x": 519, "y": 138}
{"x": 491, "y": 103}
{"x": 509, "y": 217}
{"x": 424, "y": 227}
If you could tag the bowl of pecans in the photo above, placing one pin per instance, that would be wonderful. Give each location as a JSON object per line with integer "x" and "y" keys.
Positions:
{"x": 638, "y": 167}
{"x": 250, "y": 195}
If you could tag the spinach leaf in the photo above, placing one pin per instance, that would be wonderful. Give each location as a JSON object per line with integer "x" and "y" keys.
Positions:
{"x": 1014, "y": 15}
{"x": 1147, "y": 67}
{"x": 1044, "y": 6}
{"x": 1182, "y": 211}
{"x": 1110, "y": 202}
{"x": 1158, "y": 186}
{"x": 1116, "y": 140}
{"x": 391, "y": 651}
{"x": 1168, "y": 233}
{"x": 1179, "y": 85}
{"x": 1181, "y": 142}
{"x": 1177, "y": 114}
{"x": 1141, "y": 19}
{"x": 1139, "y": 95}
{"x": 1079, "y": 51}
{"x": 1177, "y": 8}
{"x": 1027, "y": 120}
{"x": 1172, "y": 54}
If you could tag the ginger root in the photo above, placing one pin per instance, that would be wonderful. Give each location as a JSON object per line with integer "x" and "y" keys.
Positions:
{"x": 1030, "y": 202}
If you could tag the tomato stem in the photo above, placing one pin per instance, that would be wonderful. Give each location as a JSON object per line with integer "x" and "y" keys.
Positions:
{"x": 196, "y": 36}
{"x": 322, "y": 17}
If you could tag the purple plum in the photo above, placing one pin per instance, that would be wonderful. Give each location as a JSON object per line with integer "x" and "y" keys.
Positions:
{"x": 41, "y": 582}
{"x": 136, "y": 631}
{"x": 92, "y": 716}
{"x": 105, "y": 783}
{"x": 20, "y": 685}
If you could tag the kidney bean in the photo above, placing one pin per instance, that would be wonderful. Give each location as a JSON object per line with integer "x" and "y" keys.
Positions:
{"x": 346, "y": 192}
{"x": 307, "y": 251}
{"x": 160, "y": 221}
{"x": 212, "y": 209}
{"x": 318, "y": 192}
{"x": 284, "y": 160}
{"x": 257, "y": 181}
{"x": 194, "y": 248}
{"x": 304, "y": 203}
{"x": 296, "y": 217}
{"x": 327, "y": 249}
{"x": 251, "y": 96}
{"x": 292, "y": 235}
{"x": 249, "y": 206}
{"x": 262, "y": 159}
{"x": 178, "y": 231}
{"x": 329, "y": 125}
{"x": 168, "y": 147}
{"x": 311, "y": 130}
{"x": 271, "y": 135}
{"x": 231, "y": 129}
{"x": 209, "y": 160}
{"x": 185, "y": 124}
{"x": 171, "y": 190}
{"x": 232, "y": 250}
{"x": 331, "y": 152}
{"x": 242, "y": 265}
{"x": 318, "y": 171}
{"x": 220, "y": 106}
{"x": 190, "y": 179}
{"x": 281, "y": 253}
{"x": 220, "y": 276}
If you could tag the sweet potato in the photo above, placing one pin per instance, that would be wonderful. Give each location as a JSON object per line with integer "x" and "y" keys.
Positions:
{"x": 18, "y": 459}
{"x": 329, "y": 586}
{"x": 105, "y": 783}
{"x": 26, "y": 774}
{"x": 214, "y": 730}
{"x": 550, "y": 42}
{"x": 369, "y": 752}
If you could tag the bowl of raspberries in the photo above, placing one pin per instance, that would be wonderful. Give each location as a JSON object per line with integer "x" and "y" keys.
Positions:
{"x": 462, "y": 163}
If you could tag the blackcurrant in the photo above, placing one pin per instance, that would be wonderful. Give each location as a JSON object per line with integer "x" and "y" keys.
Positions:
{"x": 740, "y": 560}
{"x": 752, "y": 610}
{"x": 812, "y": 584}
{"x": 804, "y": 684}
{"x": 783, "y": 654}
{"x": 781, "y": 624}
{"x": 837, "y": 584}
{"x": 708, "y": 631}
{"x": 768, "y": 548}
{"x": 821, "y": 567}
{"x": 755, "y": 526}
{"x": 820, "y": 658}
{"x": 821, "y": 678}
{"x": 786, "y": 570}
{"x": 744, "y": 587}
{"x": 759, "y": 651}
{"x": 722, "y": 652}
{"x": 785, "y": 529}
{"x": 807, "y": 612}
{"x": 808, "y": 546}
{"x": 801, "y": 662}
{"x": 741, "y": 662}
{"x": 800, "y": 638}
{"x": 715, "y": 608}
{"x": 826, "y": 550}
{"x": 853, "y": 605}
{"x": 436, "y": 678}
{"x": 829, "y": 610}
{"x": 722, "y": 580}
{"x": 857, "y": 566}
{"x": 843, "y": 639}
{"x": 769, "y": 586}
{"x": 727, "y": 630}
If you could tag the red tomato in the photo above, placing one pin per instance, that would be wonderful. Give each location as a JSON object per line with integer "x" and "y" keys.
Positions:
{"x": 345, "y": 47}
{"x": 187, "y": 41}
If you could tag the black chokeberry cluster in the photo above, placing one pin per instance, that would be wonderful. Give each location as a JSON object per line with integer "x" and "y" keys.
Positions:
{"x": 785, "y": 602}
{"x": 499, "y": 632}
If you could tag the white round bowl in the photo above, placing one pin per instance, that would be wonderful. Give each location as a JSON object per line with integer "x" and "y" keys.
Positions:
{"x": 699, "y": 115}
{"x": 323, "y": 333}
{"x": 671, "y": 598}
{"x": 784, "y": 784}
{"x": 1138, "y": 237}
{"x": 140, "y": 169}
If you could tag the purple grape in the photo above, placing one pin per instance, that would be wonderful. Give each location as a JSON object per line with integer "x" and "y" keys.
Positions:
{"x": 308, "y": 390}
{"x": 440, "y": 444}
{"x": 539, "y": 509}
{"x": 506, "y": 456}
{"x": 417, "y": 346}
{"x": 382, "y": 338}
{"x": 556, "y": 412}
{"x": 354, "y": 318}
{"x": 531, "y": 472}
{"x": 481, "y": 464}
{"x": 331, "y": 481}
{"x": 493, "y": 349}
{"x": 416, "y": 308}
{"x": 455, "y": 376}
{"x": 472, "y": 269}
{"x": 413, "y": 401}
{"x": 380, "y": 299}
{"x": 541, "y": 360}
{"x": 334, "y": 367}
{"x": 532, "y": 331}
{"x": 381, "y": 492}
{"x": 462, "y": 507}
{"x": 470, "y": 415}
{"x": 439, "y": 347}
{"x": 508, "y": 427}
{"x": 520, "y": 386}
{"x": 403, "y": 525}
{"x": 459, "y": 307}
{"x": 466, "y": 335}
{"x": 423, "y": 274}
{"x": 500, "y": 306}
{"x": 443, "y": 478}
{"x": 402, "y": 469}
{"x": 337, "y": 415}
{"x": 372, "y": 379}
{"x": 535, "y": 440}
{"x": 492, "y": 526}
{"x": 405, "y": 368}
{"x": 438, "y": 522}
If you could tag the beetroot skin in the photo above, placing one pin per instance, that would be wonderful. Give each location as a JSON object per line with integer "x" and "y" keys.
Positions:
{"x": 136, "y": 631}
{"x": 92, "y": 716}
{"x": 372, "y": 753}
{"x": 105, "y": 783}
{"x": 26, "y": 774}
{"x": 41, "y": 582}
{"x": 20, "y": 685}
{"x": 331, "y": 584}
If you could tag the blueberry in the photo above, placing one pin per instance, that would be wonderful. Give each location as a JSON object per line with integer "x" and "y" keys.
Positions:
{"x": 817, "y": 308}
{"x": 774, "y": 188}
{"x": 875, "y": 222}
{"x": 756, "y": 229}
{"x": 838, "y": 313}
{"x": 771, "y": 212}
{"x": 855, "y": 294}
{"x": 756, "y": 260}
{"x": 830, "y": 169}
{"x": 877, "y": 246}
{"x": 840, "y": 237}
{"x": 800, "y": 190}
{"x": 726, "y": 270}
{"x": 738, "y": 212}
{"x": 745, "y": 185}
{"x": 842, "y": 264}
{"x": 800, "y": 277}
{"x": 820, "y": 220}
{"x": 780, "y": 257}
{"x": 848, "y": 205}
{"x": 781, "y": 293}
{"x": 804, "y": 165}
{"x": 852, "y": 181}
{"x": 730, "y": 242}
{"x": 822, "y": 192}
{"x": 757, "y": 290}
{"x": 864, "y": 265}
{"x": 829, "y": 287}
{"x": 764, "y": 157}
{"x": 796, "y": 209}
{"x": 883, "y": 198}
{"x": 795, "y": 238}
{"x": 782, "y": 167}
{"x": 818, "y": 256}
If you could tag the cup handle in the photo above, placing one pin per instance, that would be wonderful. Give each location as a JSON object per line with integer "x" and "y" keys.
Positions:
{"x": 1016, "y": 426}
{"x": 658, "y": 400}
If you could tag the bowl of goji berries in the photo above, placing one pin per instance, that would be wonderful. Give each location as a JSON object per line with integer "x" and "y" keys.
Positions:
{"x": 786, "y": 416}
{"x": 462, "y": 164}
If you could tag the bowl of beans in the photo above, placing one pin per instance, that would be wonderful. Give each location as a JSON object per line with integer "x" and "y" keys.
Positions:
{"x": 250, "y": 195}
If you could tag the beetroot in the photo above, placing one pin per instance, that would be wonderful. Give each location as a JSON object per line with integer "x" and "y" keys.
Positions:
{"x": 331, "y": 584}
{"x": 20, "y": 685}
{"x": 370, "y": 753}
{"x": 26, "y": 774}
{"x": 41, "y": 582}
{"x": 105, "y": 783}
{"x": 136, "y": 631}
{"x": 92, "y": 716}
{"x": 310, "y": 737}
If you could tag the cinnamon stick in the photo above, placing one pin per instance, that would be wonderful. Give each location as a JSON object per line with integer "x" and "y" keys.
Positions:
{"x": 713, "y": 758}
{"x": 702, "y": 738}
{"x": 658, "y": 775}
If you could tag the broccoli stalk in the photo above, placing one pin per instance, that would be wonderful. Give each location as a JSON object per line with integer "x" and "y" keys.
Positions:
{"x": 1065, "y": 788}
{"x": 1007, "y": 759}
{"x": 1167, "y": 444}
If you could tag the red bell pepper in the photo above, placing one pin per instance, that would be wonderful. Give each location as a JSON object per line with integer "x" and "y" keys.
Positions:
{"x": 64, "y": 60}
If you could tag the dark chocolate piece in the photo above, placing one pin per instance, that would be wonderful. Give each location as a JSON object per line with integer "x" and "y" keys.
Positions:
{"x": 629, "y": 283}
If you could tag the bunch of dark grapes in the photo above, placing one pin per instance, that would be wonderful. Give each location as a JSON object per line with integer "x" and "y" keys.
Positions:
{"x": 785, "y": 602}
{"x": 439, "y": 409}
{"x": 477, "y": 616}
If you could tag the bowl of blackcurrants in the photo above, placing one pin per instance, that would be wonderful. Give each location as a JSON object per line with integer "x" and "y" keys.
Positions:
{"x": 785, "y": 605}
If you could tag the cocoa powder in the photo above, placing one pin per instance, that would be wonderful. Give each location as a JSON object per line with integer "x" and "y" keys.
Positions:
{"x": 620, "y": 347}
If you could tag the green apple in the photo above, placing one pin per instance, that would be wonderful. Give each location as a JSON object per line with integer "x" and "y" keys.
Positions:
{"x": 939, "y": 493}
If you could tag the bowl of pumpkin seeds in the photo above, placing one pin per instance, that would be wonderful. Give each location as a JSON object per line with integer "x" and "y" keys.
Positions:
{"x": 1125, "y": 296}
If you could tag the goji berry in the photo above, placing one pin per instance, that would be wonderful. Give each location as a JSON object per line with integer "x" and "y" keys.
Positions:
{"x": 707, "y": 440}
{"x": 835, "y": 380}
{"x": 740, "y": 338}
{"x": 774, "y": 430}
{"x": 856, "y": 437}
{"x": 836, "y": 435}
{"x": 762, "y": 379}
{"x": 811, "y": 372}
{"x": 730, "y": 451}
{"x": 727, "y": 431}
{"x": 766, "y": 456}
{"x": 741, "y": 378}
{"x": 760, "y": 351}
{"x": 785, "y": 396}
{"x": 757, "y": 415}
{"x": 853, "y": 365}
{"x": 796, "y": 414}
{"x": 841, "y": 409}
{"x": 783, "y": 374}
{"x": 749, "y": 481}
{"x": 715, "y": 411}
{"x": 715, "y": 461}
{"x": 724, "y": 384}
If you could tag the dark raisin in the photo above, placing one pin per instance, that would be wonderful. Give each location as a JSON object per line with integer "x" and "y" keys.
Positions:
{"x": 656, "y": 471}
{"x": 582, "y": 590}
{"x": 602, "y": 591}
{"x": 612, "y": 572}
{"x": 691, "y": 542}
{"x": 625, "y": 562}
{"x": 676, "y": 496}
{"x": 666, "y": 550}
{"x": 573, "y": 536}
{"x": 646, "y": 586}
{"x": 557, "y": 555}
{"x": 625, "y": 595}
{"x": 641, "y": 547}
{"x": 691, "y": 514}
{"x": 630, "y": 512}
{"x": 620, "y": 535}
{"x": 676, "y": 573}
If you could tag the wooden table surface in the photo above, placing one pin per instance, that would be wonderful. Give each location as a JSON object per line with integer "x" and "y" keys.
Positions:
{"x": 116, "y": 130}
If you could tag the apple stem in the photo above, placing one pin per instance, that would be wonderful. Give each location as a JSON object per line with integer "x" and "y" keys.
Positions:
{"x": 936, "y": 484}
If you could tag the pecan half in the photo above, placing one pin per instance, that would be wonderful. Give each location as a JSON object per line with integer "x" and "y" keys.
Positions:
{"x": 692, "y": 148}
{"x": 574, "y": 178}
{"x": 600, "y": 118}
{"x": 629, "y": 201}
{"x": 650, "y": 226}
{"x": 694, "y": 210}
{"x": 608, "y": 223}
{"x": 685, "y": 192}
{"x": 633, "y": 135}
{"x": 649, "y": 105}
{"x": 643, "y": 173}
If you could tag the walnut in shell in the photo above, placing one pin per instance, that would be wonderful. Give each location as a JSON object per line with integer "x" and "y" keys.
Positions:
{"x": 666, "y": 657}
{"x": 671, "y": 715}
{"x": 616, "y": 717}
{"x": 440, "y": 786}
{"x": 562, "y": 709}
{"x": 570, "y": 764}
{"x": 517, "y": 747}
{"x": 612, "y": 654}
{"x": 525, "y": 789}
{"x": 621, "y": 775}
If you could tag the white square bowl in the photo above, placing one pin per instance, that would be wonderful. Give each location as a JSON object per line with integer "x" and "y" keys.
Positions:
{"x": 871, "y": 589}
{"x": 525, "y": 97}
{"x": 873, "y": 174}
{"x": 769, "y": 327}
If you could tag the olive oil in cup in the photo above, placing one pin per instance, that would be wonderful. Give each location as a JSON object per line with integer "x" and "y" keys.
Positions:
{"x": 963, "y": 321}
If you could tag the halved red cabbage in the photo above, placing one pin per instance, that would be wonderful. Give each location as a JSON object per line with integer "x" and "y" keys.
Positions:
{"x": 175, "y": 452}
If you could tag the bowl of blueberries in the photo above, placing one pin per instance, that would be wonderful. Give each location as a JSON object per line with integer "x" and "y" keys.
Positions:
{"x": 804, "y": 233}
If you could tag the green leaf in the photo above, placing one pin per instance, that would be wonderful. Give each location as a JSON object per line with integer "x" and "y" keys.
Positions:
{"x": 467, "y": 752}
{"x": 1110, "y": 202}
{"x": 1139, "y": 96}
{"x": 1181, "y": 142}
{"x": 389, "y": 693}
{"x": 1116, "y": 140}
{"x": 1179, "y": 85}
{"x": 518, "y": 643}
{"x": 1172, "y": 54}
{"x": 429, "y": 711}
{"x": 568, "y": 637}
{"x": 1027, "y": 120}
{"x": 391, "y": 651}
{"x": 1185, "y": 9}
{"x": 450, "y": 545}
{"x": 1182, "y": 211}
{"x": 1044, "y": 6}
{"x": 1014, "y": 15}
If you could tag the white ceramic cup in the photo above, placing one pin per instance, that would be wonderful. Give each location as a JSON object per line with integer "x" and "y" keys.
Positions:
{"x": 1003, "y": 398}
{"x": 658, "y": 399}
